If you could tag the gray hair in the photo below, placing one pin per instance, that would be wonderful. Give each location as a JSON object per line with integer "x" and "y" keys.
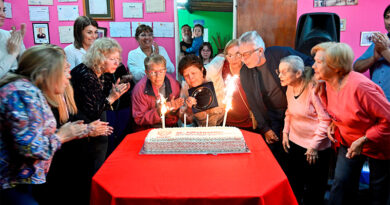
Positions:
{"x": 252, "y": 37}
{"x": 295, "y": 62}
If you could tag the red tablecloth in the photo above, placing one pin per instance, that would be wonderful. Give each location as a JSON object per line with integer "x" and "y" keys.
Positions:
{"x": 248, "y": 178}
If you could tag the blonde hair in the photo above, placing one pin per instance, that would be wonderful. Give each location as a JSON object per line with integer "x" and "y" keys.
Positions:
{"x": 96, "y": 54}
{"x": 231, "y": 43}
{"x": 338, "y": 56}
{"x": 154, "y": 59}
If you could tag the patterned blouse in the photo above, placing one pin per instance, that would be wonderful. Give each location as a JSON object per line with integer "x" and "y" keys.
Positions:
{"x": 27, "y": 135}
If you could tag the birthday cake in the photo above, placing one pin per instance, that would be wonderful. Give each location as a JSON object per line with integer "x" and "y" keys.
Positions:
{"x": 195, "y": 140}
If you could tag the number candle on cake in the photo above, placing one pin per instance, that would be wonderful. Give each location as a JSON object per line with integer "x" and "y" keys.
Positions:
{"x": 229, "y": 90}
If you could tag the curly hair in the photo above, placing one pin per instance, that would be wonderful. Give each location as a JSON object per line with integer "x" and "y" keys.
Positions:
{"x": 191, "y": 60}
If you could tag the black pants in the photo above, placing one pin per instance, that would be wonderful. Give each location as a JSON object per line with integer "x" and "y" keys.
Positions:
{"x": 308, "y": 181}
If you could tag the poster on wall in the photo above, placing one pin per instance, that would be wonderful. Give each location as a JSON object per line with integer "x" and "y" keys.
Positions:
{"x": 120, "y": 29}
{"x": 325, "y": 3}
{"x": 39, "y": 13}
{"x": 132, "y": 10}
{"x": 163, "y": 29}
{"x": 366, "y": 38}
{"x": 8, "y": 10}
{"x": 41, "y": 33}
{"x": 40, "y": 2}
{"x": 66, "y": 34}
{"x": 68, "y": 12}
{"x": 152, "y": 6}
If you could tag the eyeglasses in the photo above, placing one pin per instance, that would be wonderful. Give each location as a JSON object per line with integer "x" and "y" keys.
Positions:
{"x": 249, "y": 53}
{"x": 156, "y": 73}
{"x": 237, "y": 55}
{"x": 144, "y": 35}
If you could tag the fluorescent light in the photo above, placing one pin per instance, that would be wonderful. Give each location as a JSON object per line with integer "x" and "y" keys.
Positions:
{"x": 182, "y": 1}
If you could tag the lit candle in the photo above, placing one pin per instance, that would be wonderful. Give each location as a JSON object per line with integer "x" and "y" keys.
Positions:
{"x": 207, "y": 120}
{"x": 163, "y": 110}
{"x": 185, "y": 119}
{"x": 229, "y": 90}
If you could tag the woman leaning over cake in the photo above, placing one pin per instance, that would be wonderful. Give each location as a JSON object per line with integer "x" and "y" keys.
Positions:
{"x": 305, "y": 133}
{"x": 28, "y": 134}
{"x": 359, "y": 108}
{"x": 192, "y": 69}
{"x": 150, "y": 90}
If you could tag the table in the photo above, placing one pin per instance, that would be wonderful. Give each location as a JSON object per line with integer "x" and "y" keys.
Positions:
{"x": 247, "y": 178}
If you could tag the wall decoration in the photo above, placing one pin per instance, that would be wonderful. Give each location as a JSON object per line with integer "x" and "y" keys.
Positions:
{"x": 41, "y": 33}
{"x": 99, "y": 9}
{"x": 102, "y": 32}
{"x": 132, "y": 10}
{"x": 152, "y": 6}
{"x": 365, "y": 38}
{"x": 343, "y": 24}
{"x": 325, "y": 3}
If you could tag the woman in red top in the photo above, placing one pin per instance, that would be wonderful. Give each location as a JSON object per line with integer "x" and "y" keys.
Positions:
{"x": 359, "y": 108}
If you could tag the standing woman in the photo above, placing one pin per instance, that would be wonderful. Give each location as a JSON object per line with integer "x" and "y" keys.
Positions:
{"x": 88, "y": 83}
{"x": 147, "y": 47}
{"x": 206, "y": 53}
{"x": 28, "y": 134}
{"x": 305, "y": 133}
{"x": 360, "y": 110}
{"x": 85, "y": 33}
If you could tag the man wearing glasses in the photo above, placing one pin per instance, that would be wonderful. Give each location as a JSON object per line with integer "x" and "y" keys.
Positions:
{"x": 266, "y": 96}
{"x": 148, "y": 94}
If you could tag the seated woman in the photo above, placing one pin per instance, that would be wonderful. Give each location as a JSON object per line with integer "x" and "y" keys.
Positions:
{"x": 305, "y": 133}
{"x": 218, "y": 69}
{"x": 28, "y": 134}
{"x": 361, "y": 112}
{"x": 85, "y": 33}
{"x": 191, "y": 68}
{"x": 149, "y": 91}
{"x": 206, "y": 53}
{"x": 147, "y": 47}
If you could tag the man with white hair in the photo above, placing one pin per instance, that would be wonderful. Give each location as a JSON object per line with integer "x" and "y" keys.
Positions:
{"x": 266, "y": 96}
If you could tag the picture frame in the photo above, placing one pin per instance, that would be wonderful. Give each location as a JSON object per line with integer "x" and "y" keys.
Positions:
{"x": 102, "y": 32}
{"x": 343, "y": 24}
{"x": 41, "y": 33}
{"x": 365, "y": 38}
{"x": 99, "y": 10}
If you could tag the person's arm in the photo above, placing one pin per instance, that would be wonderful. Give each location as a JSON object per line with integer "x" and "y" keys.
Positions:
{"x": 320, "y": 134}
{"x": 135, "y": 63}
{"x": 6, "y": 62}
{"x": 364, "y": 62}
{"x": 70, "y": 56}
{"x": 196, "y": 43}
{"x": 170, "y": 66}
{"x": 214, "y": 68}
{"x": 142, "y": 113}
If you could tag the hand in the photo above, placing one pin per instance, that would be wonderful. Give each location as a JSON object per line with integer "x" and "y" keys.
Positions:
{"x": 190, "y": 101}
{"x": 319, "y": 87}
{"x": 311, "y": 155}
{"x": 126, "y": 78}
{"x": 175, "y": 104}
{"x": 331, "y": 129}
{"x": 381, "y": 42}
{"x": 270, "y": 137}
{"x": 71, "y": 130}
{"x": 356, "y": 148}
{"x": 117, "y": 90}
{"x": 183, "y": 48}
{"x": 99, "y": 128}
{"x": 156, "y": 50}
{"x": 285, "y": 142}
{"x": 15, "y": 41}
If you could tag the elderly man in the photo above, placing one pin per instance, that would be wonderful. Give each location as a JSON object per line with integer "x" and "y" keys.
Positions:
{"x": 377, "y": 58}
{"x": 187, "y": 39}
{"x": 266, "y": 97}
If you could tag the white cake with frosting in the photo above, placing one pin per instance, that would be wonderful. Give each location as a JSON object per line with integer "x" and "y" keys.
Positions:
{"x": 195, "y": 140}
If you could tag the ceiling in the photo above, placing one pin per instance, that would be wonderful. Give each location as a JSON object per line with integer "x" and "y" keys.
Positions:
{"x": 207, "y": 5}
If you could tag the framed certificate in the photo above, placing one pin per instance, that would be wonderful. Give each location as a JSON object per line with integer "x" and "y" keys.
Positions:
{"x": 41, "y": 33}
{"x": 99, "y": 9}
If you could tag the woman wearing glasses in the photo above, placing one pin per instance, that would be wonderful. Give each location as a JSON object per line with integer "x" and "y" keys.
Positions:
{"x": 229, "y": 63}
{"x": 149, "y": 91}
{"x": 147, "y": 46}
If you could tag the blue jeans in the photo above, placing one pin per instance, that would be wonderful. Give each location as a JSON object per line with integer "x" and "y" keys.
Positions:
{"x": 346, "y": 183}
{"x": 19, "y": 195}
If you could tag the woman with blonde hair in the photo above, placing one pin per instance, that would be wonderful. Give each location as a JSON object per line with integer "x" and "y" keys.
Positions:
{"x": 361, "y": 112}
{"x": 28, "y": 134}
{"x": 92, "y": 99}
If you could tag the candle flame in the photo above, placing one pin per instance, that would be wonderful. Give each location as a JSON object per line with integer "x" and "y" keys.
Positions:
{"x": 229, "y": 90}
{"x": 163, "y": 101}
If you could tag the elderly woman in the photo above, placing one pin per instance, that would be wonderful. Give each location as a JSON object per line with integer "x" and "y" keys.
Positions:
{"x": 206, "y": 52}
{"x": 85, "y": 33}
{"x": 28, "y": 134}
{"x": 11, "y": 45}
{"x": 359, "y": 108}
{"x": 148, "y": 93}
{"x": 217, "y": 71}
{"x": 91, "y": 98}
{"x": 305, "y": 133}
{"x": 191, "y": 68}
{"x": 147, "y": 47}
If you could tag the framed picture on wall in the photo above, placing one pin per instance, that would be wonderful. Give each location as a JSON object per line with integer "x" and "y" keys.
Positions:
{"x": 366, "y": 38}
{"x": 343, "y": 24}
{"x": 99, "y": 9}
{"x": 41, "y": 33}
{"x": 102, "y": 32}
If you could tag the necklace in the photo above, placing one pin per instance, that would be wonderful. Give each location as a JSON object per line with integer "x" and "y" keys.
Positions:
{"x": 296, "y": 96}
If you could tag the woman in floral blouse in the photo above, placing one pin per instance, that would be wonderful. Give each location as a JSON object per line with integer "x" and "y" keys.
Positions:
{"x": 28, "y": 137}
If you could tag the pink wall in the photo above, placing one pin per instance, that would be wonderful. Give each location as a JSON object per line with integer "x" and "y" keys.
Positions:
{"x": 20, "y": 15}
{"x": 366, "y": 16}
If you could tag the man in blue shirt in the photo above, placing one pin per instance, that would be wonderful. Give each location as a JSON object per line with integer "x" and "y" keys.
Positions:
{"x": 377, "y": 58}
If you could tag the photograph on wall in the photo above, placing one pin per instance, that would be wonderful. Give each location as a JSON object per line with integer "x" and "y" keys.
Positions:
{"x": 325, "y": 3}
{"x": 366, "y": 38}
{"x": 41, "y": 33}
{"x": 102, "y": 32}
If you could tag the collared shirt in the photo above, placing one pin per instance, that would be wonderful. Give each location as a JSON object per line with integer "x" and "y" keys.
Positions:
{"x": 7, "y": 62}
